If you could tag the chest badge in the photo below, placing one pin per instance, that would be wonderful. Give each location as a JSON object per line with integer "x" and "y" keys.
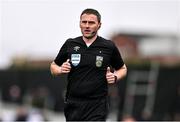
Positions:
{"x": 75, "y": 59}
{"x": 99, "y": 61}
{"x": 76, "y": 48}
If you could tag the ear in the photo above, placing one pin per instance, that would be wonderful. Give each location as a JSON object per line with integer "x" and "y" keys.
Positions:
{"x": 99, "y": 25}
{"x": 80, "y": 23}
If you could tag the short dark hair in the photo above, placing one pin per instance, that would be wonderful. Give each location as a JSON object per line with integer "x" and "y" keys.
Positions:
{"x": 92, "y": 11}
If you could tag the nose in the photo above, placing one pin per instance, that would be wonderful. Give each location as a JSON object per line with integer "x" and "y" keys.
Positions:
{"x": 87, "y": 24}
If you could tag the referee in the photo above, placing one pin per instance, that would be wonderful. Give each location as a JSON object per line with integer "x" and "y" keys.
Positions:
{"x": 87, "y": 60}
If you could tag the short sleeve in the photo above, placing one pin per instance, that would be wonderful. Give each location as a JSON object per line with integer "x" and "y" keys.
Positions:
{"x": 62, "y": 55}
{"x": 116, "y": 59}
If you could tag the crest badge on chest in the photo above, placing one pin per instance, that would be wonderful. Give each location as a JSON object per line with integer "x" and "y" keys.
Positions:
{"x": 99, "y": 61}
{"x": 75, "y": 59}
{"x": 76, "y": 48}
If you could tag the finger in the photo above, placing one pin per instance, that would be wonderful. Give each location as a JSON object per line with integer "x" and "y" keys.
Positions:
{"x": 110, "y": 82}
{"x": 108, "y": 69}
{"x": 65, "y": 70}
{"x": 109, "y": 74}
{"x": 111, "y": 79}
{"x": 67, "y": 60}
{"x": 66, "y": 66}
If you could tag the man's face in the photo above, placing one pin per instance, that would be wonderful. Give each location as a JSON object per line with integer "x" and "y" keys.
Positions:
{"x": 89, "y": 25}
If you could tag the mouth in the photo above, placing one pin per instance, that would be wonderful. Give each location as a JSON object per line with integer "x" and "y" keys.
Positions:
{"x": 87, "y": 31}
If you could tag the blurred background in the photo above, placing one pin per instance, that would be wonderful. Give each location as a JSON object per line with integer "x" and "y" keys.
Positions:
{"x": 147, "y": 33}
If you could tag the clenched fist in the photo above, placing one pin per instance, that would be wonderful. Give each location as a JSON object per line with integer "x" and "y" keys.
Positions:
{"x": 110, "y": 77}
{"x": 66, "y": 67}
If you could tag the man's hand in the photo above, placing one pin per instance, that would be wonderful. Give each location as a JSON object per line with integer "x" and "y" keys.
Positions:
{"x": 57, "y": 70}
{"x": 111, "y": 78}
{"x": 66, "y": 67}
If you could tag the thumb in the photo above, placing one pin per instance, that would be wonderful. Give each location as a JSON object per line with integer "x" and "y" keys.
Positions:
{"x": 108, "y": 69}
{"x": 67, "y": 60}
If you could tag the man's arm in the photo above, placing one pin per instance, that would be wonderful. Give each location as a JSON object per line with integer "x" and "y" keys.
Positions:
{"x": 57, "y": 70}
{"x": 120, "y": 73}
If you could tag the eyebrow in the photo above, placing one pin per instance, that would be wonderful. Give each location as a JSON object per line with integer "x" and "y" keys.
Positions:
{"x": 85, "y": 21}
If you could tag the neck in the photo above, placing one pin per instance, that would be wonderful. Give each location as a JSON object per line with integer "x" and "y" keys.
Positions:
{"x": 89, "y": 41}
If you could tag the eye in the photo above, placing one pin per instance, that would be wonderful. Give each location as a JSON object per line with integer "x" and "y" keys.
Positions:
{"x": 91, "y": 22}
{"x": 84, "y": 22}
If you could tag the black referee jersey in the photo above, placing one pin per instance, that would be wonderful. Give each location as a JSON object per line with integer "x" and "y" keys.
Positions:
{"x": 87, "y": 78}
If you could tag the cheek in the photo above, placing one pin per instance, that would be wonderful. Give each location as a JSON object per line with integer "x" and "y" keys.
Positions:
{"x": 95, "y": 28}
{"x": 80, "y": 26}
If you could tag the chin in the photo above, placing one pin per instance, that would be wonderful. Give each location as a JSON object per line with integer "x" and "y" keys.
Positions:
{"x": 88, "y": 37}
